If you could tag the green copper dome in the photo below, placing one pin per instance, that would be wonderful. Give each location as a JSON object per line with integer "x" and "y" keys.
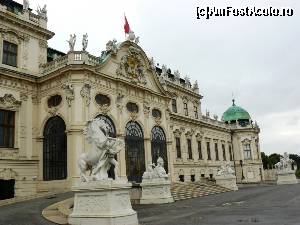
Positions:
{"x": 235, "y": 113}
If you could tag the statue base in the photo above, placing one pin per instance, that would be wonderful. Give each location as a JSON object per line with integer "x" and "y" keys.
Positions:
{"x": 286, "y": 178}
{"x": 156, "y": 191}
{"x": 102, "y": 203}
{"x": 228, "y": 182}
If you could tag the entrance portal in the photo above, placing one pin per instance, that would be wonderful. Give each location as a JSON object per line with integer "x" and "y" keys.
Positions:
{"x": 55, "y": 149}
{"x": 159, "y": 146}
{"x": 7, "y": 189}
{"x": 135, "y": 153}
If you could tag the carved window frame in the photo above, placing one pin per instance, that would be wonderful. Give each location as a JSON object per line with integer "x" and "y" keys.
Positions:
{"x": 223, "y": 147}
{"x": 174, "y": 105}
{"x": 208, "y": 148}
{"x": 177, "y": 135}
{"x": 216, "y": 148}
{"x": 9, "y": 103}
{"x": 13, "y": 37}
{"x": 199, "y": 146}
{"x": 230, "y": 150}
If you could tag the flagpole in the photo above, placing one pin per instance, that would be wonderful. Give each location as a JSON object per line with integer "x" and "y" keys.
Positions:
{"x": 124, "y": 30}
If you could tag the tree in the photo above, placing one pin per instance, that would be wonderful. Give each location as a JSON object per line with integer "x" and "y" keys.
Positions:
{"x": 265, "y": 160}
{"x": 274, "y": 158}
{"x": 270, "y": 160}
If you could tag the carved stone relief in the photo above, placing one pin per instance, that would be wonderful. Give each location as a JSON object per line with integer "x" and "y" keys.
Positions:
{"x": 9, "y": 102}
{"x": 8, "y": 174}
{"x": 132, "y": 66}
{"x": 119, "y": 101}
{"x": 69, "y": 92}
{"x": 86, "y": 93}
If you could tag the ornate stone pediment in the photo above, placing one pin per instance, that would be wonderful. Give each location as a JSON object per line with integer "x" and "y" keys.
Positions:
{"x": 132, "y": 66}
{"x": 9, "y": 102}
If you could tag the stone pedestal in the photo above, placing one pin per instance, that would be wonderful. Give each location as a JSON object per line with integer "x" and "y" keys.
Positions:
{"x": 228, "y": 182}
{"x": 102, "y": 203}
{"x": 156, "y": 191}
{"x": 286, "y": 178}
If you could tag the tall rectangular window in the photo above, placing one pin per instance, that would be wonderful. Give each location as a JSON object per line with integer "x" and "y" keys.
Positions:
{"x": 216, "y": 151}
{"x": 230, "y": 153}
{"x": 257, "y": 149}
{"x": 174, "y": 105}
{"x": 185, "y": 108}
{"x": 190, "y": 151}
{"x": 224, "y": 152}
{"x": 196, "y": 112}
{"x": 178, "y": 149}
{"x": 10, "y": 54}
{"x": 208, "y": 150}
{"x": 200, "y": 150}
{"x": 247, "y": 151}
{"x": 7, "y": 129}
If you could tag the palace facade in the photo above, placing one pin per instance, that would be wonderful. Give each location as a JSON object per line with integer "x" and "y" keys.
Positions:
{"x": 47, "y": 96}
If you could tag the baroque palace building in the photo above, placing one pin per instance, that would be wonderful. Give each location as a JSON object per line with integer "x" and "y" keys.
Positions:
{"x": 46, "y": 98}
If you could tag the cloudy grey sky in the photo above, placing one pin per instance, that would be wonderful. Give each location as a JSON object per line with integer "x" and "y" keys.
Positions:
{"x": 256, "y": 58}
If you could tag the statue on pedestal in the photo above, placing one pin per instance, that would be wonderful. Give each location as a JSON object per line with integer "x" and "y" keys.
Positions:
{"x": 101, "y": 155}
{"x": 25, "y": 5}
{"x": 156, "y": 171}
{"x": 72, "y": 42}
{"x": 85, "y": 42}
{"x": 285, "y": 164}
{"x": 42, "y": 12}
{"x": 111, "y": 47}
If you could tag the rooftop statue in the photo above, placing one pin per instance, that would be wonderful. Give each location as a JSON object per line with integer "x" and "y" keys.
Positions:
{"x": 72, "y": 42}
{"x": 207, "y": 113}
{"x": 25, "y": 5}
{"x": 85, "y": 42}
{"x": 225, "y": 170}
{"x": 164, "y": 71}
{"x": 152, "y": 64}
{"x": 177, "y": 75}
{"x": 195, "y": 86}
{"x": 187, "y": 81}
{"x": 42, "y": 12}
{"x": 285, "y": 164}
{"x": 101, "y": 155}
{"x": 111, "y": 46}
{"x": 131, "y": 37}
{"x": 157, "y": 171}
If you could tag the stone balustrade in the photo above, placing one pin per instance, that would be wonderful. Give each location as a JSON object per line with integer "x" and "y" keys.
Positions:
{"x": 214, "y": 122}
{"x": 72, "y": 58}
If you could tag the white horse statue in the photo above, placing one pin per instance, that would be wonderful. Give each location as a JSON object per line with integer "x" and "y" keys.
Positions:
{"x": 101, "y": 155}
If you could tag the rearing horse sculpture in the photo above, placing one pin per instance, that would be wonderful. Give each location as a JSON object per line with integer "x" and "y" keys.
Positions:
{"x": 101, "y": 155}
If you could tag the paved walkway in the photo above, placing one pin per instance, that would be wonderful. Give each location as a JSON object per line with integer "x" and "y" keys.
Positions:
{"x": 267, "y": 205}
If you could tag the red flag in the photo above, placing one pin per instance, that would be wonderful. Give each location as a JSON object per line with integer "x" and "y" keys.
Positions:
{"x": 126, "y": 26}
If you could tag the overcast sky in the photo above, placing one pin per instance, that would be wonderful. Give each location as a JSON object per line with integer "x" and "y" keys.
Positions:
{"x": 256, "y": 58}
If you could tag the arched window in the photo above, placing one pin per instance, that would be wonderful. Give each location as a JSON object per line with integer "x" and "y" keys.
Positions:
{"x": 135, "y": 153}
{"x": 112, "y": 129}
{"x": 55, "y": 150}
{"x": 159, "y": 145}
